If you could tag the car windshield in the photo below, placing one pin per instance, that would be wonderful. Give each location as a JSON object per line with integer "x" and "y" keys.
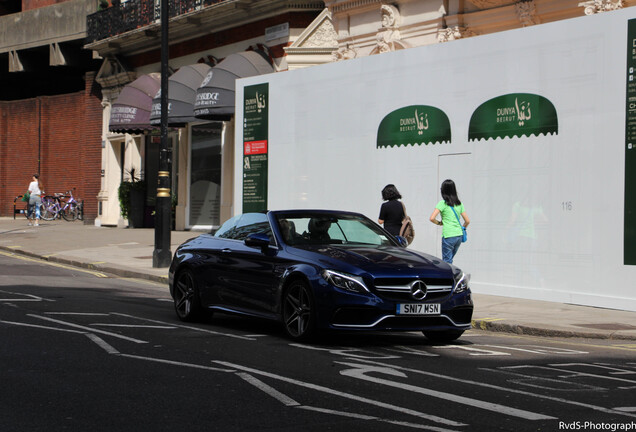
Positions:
{"x": 308, "y": 229}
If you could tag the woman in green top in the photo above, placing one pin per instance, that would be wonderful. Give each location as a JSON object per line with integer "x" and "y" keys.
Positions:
{"x": 452, "y": 232}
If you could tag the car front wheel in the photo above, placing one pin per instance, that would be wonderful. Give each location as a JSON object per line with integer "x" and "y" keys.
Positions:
{"x": 443, "y": 336}
{"x": 186, "y": 297}
{"x": 298, "y": 311}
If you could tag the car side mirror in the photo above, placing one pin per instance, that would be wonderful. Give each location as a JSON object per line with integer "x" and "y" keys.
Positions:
{"x": 402, "y": 241}
{"x": 259, "y": 240}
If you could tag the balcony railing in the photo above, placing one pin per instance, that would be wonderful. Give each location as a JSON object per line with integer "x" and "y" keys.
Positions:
{"x": 134, "y": 14}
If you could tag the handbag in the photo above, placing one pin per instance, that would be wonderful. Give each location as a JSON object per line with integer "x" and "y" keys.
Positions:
{"x": 464, "y": 233}
{"x": 26, "y": 197}
{"x": 407, "y": 231}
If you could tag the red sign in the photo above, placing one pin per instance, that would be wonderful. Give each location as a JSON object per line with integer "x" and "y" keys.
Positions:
{"x": 255, "y": 147}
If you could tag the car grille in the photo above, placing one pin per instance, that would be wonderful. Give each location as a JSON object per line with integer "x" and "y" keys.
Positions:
{"x": 399, "y": 289}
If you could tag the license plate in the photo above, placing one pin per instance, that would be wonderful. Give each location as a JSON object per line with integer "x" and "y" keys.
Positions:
{"x": 418, "y": 309}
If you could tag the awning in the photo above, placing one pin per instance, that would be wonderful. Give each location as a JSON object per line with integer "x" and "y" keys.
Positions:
{"x": 414, "y": 125}
{"x": 215, "y": 96}
{"x": 182, "y": 89}
{"x": 513, "y": 115}
{"x": 131, "y": 111}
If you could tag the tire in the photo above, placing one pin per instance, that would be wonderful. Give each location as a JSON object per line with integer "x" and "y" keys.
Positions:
{"x": 298, "y": 311}
{"x": 187, "y": 304}
{"x": 46, "y": 212}
{"x": 443, "y": 336}
{"x": 71, "y": 213}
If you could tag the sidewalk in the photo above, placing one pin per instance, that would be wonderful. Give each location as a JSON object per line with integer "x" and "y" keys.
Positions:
{"x": 128, "y": 253}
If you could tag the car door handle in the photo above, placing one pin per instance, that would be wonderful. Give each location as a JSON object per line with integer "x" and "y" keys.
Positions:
{"x": 226, "y": 250}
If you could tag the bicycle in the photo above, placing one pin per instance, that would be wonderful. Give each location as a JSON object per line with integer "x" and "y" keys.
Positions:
{"x": 60, "y": 205}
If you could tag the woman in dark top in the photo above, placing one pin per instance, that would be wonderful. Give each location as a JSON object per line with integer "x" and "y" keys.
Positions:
{"x": 392, "y": 211}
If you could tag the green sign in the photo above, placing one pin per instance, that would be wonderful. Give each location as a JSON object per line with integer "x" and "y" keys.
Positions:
{"x": 513, "y": 115}
{"x": 629, "y": 232}
{"x": 255, "y": 147}
{"x": 414, "y": 125}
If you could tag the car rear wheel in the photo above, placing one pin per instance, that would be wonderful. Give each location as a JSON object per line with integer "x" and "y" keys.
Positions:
{"x": 298, "y": 311}
{"x": 443, "y": 336}
{"x": 186, "y": 297}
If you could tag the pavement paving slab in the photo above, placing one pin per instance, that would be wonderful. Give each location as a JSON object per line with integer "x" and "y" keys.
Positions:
{"x": 127, "y": 252}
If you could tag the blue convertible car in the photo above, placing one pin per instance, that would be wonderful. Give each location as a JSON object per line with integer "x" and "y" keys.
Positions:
{"x": 319, "y": 269}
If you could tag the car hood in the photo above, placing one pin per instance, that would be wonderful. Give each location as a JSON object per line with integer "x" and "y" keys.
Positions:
{"x": 373, "y": 259}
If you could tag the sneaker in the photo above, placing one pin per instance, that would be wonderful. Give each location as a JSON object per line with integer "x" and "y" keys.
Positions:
{"x": 30, "y": 223}
{"x": 36, "y": 224}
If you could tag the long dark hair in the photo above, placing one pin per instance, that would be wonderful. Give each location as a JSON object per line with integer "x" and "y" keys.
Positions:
{"x": 449, "y": 193}
{"x": 390, "y": 192}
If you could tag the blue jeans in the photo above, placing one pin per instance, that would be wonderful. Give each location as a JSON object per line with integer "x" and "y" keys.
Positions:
{"x": 450, "y": 246}
{"x": 35, "y": 202}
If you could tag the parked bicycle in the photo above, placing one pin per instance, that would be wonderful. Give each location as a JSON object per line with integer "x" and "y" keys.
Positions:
{"x": 61, "y": 206}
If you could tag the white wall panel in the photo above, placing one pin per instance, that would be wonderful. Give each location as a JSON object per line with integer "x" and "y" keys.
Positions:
{"x": 322, "y": 153}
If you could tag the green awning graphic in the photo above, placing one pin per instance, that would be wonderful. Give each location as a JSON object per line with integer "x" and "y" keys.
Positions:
{"x": 414, "y": 125}
{"x": 515, "y": 114}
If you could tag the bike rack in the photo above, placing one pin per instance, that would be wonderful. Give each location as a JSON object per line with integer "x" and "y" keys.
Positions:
{"x": 17, "y": 210}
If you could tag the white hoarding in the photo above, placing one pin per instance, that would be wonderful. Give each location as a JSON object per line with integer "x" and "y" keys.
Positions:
{"x": 547, "y": 203}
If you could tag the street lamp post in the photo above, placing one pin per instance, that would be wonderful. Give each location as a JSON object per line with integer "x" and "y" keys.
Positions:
{"x": 162, "y": 255}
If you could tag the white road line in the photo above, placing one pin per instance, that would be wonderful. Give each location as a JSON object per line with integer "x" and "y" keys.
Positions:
{"x": 626, "y": 409}
{"x": 339, "y": 413}
{"x": 367, "y": 417}
{"x": 359, "y": 371}
{"x": 348, "y": 352}
{"x": 410, "y": 350}
{"x": 102, "y": 343}
{"x": 134, "y": 326}
{"x": 496, "y": 387}
{"x": 271, "y": 391}
{"x": 175, "y": 363}
{"x": 344, "y": 395}
{"x": 42, "y": 327}
{"x": 473, "y": 351}
{"x": 88, "y": 329}
{"x": 537, "y": 349}
{"x": 184, "y": 326}
{"x": 76, "y": 313}
{"x": 574, "y": 373}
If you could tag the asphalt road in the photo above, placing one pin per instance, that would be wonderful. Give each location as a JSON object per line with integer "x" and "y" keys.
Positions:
{"x": 81, "y": 351}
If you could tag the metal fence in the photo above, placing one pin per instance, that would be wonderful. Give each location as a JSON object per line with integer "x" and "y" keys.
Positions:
{"x": 129, "y": 15}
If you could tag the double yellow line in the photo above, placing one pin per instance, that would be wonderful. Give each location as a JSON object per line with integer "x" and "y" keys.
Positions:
{"x": 54, "y": 264}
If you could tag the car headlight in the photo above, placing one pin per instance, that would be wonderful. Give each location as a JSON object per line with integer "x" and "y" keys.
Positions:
{"x": 462, "y": 281}
{"x": 345, "y": 281}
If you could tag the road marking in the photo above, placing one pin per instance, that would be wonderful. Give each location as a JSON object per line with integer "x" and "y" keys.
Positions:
{"x": 77, "y": 313}
{"x": 184, "y": 326}
{"x": 344, "y": 395}
{"x": 626, "y": 409}
{"x": 31, "y": 297}
{"x": 42, "y": 327}
{"x": 496, "y": 387}
{"x": 134, "y": 326}
{"x": 102, "y": 343}
{"x": 348, "y": 352}
{"x": 538, "y": 349}
{"x": 367, "y": 417}
{"x": 271, "y": 391}
{"x": 42, "y": 261}
{"x": 359, "y": 371}
{"x": 473, "y": 351}
{"x": 88, "y": 329}
{"x": 175, "y": 363}
{"x": 409, "y": 350}
{"x": 571, "y": 373}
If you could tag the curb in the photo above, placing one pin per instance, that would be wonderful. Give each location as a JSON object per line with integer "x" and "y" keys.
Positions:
{"x": 80, "y": 264}
{"x": 503, "y": 327}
